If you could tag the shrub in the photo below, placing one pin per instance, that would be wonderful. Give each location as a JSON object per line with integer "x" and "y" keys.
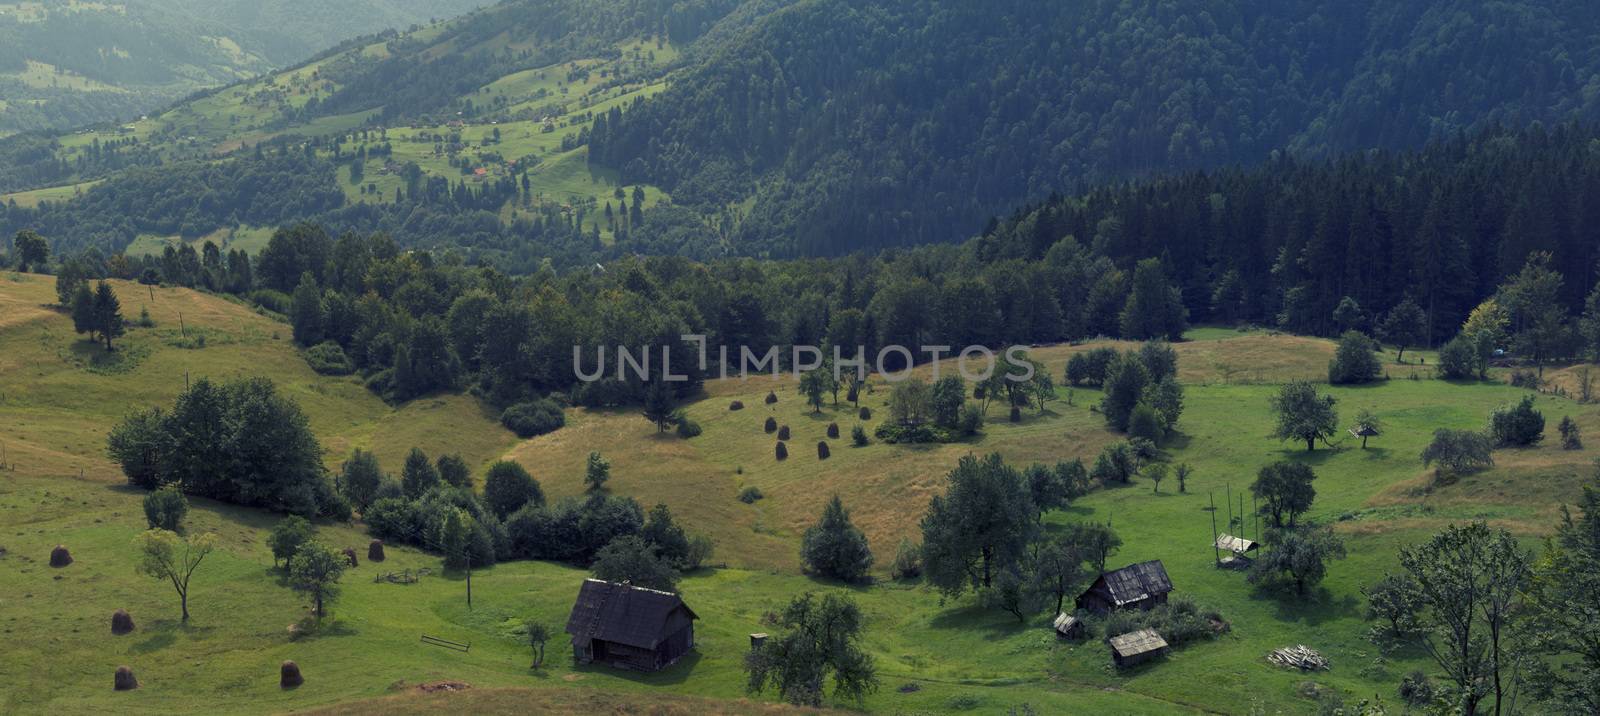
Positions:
{"x": 1089, "y": 367}
{"x": 1521, "y": 425}
{"x": 782, "y": 451}
{"x": 532, "y": 418}
{"x": 1458, "y": 360}
{"x": 771, "y": 397}
{"x": 508, "y": 486}
{"x": 1521, "y": 378}
{"x": 750, "y": 494}
{"x": 1178, "y": 621}
{"x": 329, "y": 359}
{"x": 688, "y": 428}
{"x": 1354, "y": 360}
{"x": 1145, "y": 423}
{"x": 1458, "y": 452}
{"x": 771, "y": 424}
{"x": 783, "y": 432}
{"x": 736, "y": 405}
{"x": 971, "y": 420}
{"x": 864, "y": 413}
{"x": 1571, "y": 438}
{"x": 1416, "y": 689}
{"x": 907, "y": 560}
{"x": 858, "y": 435}
{"x": 833, "y": 430}
{"x": 165, "y": 508}
{"x": 287, "y": 537}
{"x": 60, "y": 557}
{"x": 822, "y": 450}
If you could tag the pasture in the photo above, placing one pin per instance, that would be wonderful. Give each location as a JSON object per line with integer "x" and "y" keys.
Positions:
{"x": 59, "y": 395}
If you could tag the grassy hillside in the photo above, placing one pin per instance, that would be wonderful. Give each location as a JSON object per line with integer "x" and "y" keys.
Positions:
{"x": 58, "y": 396}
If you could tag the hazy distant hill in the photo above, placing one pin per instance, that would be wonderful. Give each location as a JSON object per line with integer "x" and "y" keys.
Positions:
{"x": 64, "y": 63}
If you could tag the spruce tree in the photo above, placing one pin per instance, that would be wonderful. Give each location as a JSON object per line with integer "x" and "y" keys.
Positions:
{"x": 834, "y": 547}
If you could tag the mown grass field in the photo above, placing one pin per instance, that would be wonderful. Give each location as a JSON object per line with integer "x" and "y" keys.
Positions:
{"x": 58, "y": 397}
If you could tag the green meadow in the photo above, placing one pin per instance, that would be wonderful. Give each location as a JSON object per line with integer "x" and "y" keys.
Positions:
{"x": 59, "y": 395}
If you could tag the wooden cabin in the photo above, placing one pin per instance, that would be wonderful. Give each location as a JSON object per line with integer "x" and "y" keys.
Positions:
{"x": 1137, "y": 647}
{"x": 629, "y": 627}
{"x": 1068, "y": 626}
{"x": 1136, "y": 586}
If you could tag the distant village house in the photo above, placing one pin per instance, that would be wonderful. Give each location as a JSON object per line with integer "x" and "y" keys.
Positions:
{"x": 629, "y": 627}
{"x": 1136, "y": 586}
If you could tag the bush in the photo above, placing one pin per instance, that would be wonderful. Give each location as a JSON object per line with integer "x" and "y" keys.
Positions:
{"x": 896, "y": 434}
{"x": 329, "y": 359}
{"x": 736, "y": 405}
{"x": 864, "y": 413}
{"x": 165, "y": 509}
{"x": 1416, "y": 689}
{"x": 1089, "y": 367}
{"x": 1458, "y": 360}
{"x": 1178, "y": 621}
{"x": 833, "y": 430}
{"x": 508, "y": 487}
{"x": 822, "y": 451}
{"x": 1145, "y": 423}
{"x": 858, "y": 435}
{"x": 907, "y": 560}
{"x": 750, "y": 494}
{"x": 287, "y": 537}
{"x": 275, "y": 301}
{"x": 1354, "y": 360}
{"x": 781, "y": 451}
{"x": 1521, "y": 425}
{"x": 783, "y": 432}
{"x": 771, "y": 424}
{"x": 688, "y": 428}
{"x": 1458, "y": 452}
{"x": 1571, "y": 438}
{"x": 532, "y": 418}
{"x": 1521, "y": 378}
{"x": 971, "y": 420}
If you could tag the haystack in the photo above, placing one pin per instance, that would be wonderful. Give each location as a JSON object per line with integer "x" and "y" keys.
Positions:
{"x": 770, "y": 425}
{"x": 771, "y": 397}
{"x": 783, "y": 432}
{"x": 289, "y": 675}
{"x": 375, "y": 551}
{"x": 124, "y": 680}
{"x": 822, "y": 451}
{"x": 60, "y": 557}
{"x": 833, "y": 431}
{"x": 736, "y": 405}
{"x": 121, "y": 622}
{"x": 782, "y": 451}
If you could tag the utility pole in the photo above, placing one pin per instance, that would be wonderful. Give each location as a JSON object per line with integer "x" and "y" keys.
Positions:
{"x": 1216, "y": 557}
{"x": 469, "y": 579}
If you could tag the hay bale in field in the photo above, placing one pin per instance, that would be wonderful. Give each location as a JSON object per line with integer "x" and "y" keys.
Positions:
{"x": 60, "y": 557}
{"x": 865, "y": 413}
{"x": 771, "y": 397}
{"x": 124, "y": 680}
{"x": 833, "y": 431}
{"x": 822, "y": 450}
{"x": 783, "y": 432}
{"x": 770, "y": 425}
{"x": 121, "y": 622}
{"x": 350, "y": 557}
{"x": 289, "y": 675}
{"x": 375, "y": 551}
{"x": 736, "y": 405}
{"x": 782, "y": 451}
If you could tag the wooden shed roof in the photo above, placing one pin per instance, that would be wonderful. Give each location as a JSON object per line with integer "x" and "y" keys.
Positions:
{"x": 1139, "y": 642}
{"x": 1237, "y": 545}
{"x": 1064, "y": 622}
{"x": 1364, "y": 431}
{"x": 1135, "y": 582}
{"x": 623, "y": 613}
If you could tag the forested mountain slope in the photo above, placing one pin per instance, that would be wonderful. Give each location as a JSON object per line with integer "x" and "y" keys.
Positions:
{"x": 65, "y": 63}
{"x": 854, "y": 124}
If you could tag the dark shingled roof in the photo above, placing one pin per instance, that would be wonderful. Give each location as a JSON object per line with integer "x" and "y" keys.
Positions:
{"x": 1136, "y": 582}
{"x": 623, "y": 613}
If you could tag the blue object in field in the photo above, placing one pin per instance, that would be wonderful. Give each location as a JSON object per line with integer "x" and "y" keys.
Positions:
{"x": 1499, "y": 352}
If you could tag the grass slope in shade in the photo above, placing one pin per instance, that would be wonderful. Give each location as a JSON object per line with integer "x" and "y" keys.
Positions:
{"x": 58, "y": 397}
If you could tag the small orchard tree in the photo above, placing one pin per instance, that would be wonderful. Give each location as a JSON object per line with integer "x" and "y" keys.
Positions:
{"x": 1094, "y": 541}
{"x": 1155, "y": 474}
{"x": 1405, "y": 325}
{"x": 834, "y": 547}
{"x": 631, "y": 559}
{"x": 1517, "y": 426}
{"x": 1393, "y": 602}
{"x": 32, "y": 249}
{"x": 1367, "y": 424}
{"x": 315, "y": 571}
{"x": 1571, "y": 437}
{"x": 1299, "y": 555}
{"x": 1348, "y": 314}
{"x": 817, "y": 383}
{"x": 418, "y": 475}
{"x": 163, "y": 555}
{"x": 359, "y": 479}
{"x": 821, "y": 637}
{"x": 660, "y": 406}
{"x": 508, "y": 487}
{"x": 1058, "y": 570}
{"x": 1353, "y": 361}
{"x": 1457, "y": 452}
{"x": 980, "y": 527}
{"x": 1285, "y": 491}
{"x": 1304, "y": 415}
{"x": 287, "y": 537}
{"x": 538, "y": 635}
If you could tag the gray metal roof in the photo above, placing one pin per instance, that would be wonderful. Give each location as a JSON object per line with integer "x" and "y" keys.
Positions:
{"x": 1137, "y": 582}
{"x": 1138, "y": 642}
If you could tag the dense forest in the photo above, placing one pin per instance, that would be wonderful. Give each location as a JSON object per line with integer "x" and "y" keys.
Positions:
{"x": 892, "y": 123}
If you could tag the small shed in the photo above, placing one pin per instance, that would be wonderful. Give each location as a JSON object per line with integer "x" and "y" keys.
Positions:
{"x": 1137, "y": 647}
{"x": 1140, "y": 586}
{"x": 1069, "y": 627}
{"x": 1237, "y": 545}
{"x": 629, "y": 627}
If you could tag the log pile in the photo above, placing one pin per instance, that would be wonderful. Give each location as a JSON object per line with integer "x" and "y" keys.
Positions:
{"x": 1300, "y": 657}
